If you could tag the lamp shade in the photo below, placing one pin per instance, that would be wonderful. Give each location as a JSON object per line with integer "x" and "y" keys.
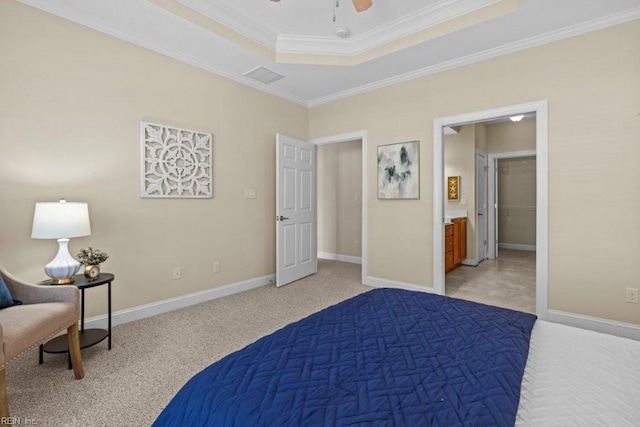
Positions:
{"x": 60, "y": 220}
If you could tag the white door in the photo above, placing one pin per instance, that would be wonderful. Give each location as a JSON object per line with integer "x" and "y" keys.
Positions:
{"x": 296, "y": 244}
{"x": 481, "y": 206}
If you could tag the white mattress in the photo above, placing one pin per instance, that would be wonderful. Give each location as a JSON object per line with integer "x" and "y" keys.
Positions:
{"x": 576, "y": 377}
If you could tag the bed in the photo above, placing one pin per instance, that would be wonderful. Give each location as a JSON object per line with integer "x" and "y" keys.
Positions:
{"x": 577, "y": 377}
{"x": 385, "y": 357}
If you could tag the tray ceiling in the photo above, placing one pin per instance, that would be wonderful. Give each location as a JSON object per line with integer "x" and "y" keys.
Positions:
{"x": 393, "y": 41}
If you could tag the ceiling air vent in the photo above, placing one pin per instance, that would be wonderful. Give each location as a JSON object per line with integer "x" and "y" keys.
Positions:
{"x": 263, "y": 75}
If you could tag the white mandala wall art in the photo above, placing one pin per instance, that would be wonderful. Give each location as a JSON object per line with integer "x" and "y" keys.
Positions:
{"x": 176, "y": 163}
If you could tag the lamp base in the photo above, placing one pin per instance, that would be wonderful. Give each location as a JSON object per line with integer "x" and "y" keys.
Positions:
{"x": 64, "y": 281}
{"x": 63, "y": 266}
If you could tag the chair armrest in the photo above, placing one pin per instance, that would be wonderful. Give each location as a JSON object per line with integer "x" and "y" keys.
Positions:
{"x": 35, "y": 294}
{"x": 3, "y": 358}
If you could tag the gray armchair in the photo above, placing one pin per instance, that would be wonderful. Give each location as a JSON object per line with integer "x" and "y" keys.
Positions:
{"x": 45, "y": 312}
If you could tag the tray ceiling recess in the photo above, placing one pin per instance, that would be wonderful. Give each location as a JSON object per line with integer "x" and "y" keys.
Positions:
{"x": 314, "y": 45}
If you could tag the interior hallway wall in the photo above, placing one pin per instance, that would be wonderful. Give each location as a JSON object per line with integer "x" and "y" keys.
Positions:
{"x": 511, "y": 136}
{"x": 340, "y": 198}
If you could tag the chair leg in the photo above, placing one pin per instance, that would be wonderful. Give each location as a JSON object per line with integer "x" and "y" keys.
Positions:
{"x": 73, "y": 341}
{"x": 4, "y": 404}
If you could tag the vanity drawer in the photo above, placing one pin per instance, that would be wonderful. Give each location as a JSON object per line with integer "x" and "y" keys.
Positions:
{"x": 448, "y": 230}
{"x": 448, "y": 244}
{"x": 448, "y": 262}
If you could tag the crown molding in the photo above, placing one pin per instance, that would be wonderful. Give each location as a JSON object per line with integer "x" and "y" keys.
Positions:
{"x": 82, "y": 19}
{"x": 442, "y": 11}
{"x": 425, "y": 18}
{"x": 315, "y": 45}
{"x": 574, "y": 30}
{"x": 247, "y": 27}
{"x": 72, "y": 14}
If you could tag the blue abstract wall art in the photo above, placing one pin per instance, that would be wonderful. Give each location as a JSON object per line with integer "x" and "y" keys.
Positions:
{"x": 398, "y": 171}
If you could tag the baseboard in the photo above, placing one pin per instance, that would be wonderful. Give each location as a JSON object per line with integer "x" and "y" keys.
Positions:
{"x": 612, "y": 327}
{"x": 136, "y": 313}
{"x": 377, "y": 282}
{"x": 517, "y": 246}
{"x": 338, "y": 257}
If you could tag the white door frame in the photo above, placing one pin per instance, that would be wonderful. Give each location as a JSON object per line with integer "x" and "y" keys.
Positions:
{"x": 483, "y": 256}
{"x": 542, "y": 187}
{"x": 345, "y": 137}
{"x": 492, "y": 203}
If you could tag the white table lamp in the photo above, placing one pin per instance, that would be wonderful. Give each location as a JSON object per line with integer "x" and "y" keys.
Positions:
{"x": 62, "y": 221}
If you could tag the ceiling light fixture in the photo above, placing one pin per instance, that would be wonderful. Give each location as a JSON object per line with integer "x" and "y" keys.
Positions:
{"x": 343, "y": 32}
{"x": 516, "y": 118}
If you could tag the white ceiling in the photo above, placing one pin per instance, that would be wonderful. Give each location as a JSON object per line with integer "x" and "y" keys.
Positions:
{"x": 146, "y": 24}
{"x": 307, "y": 17}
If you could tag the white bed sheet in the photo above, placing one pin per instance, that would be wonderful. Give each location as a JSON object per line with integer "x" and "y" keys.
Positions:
{"x": 576, "y": 377}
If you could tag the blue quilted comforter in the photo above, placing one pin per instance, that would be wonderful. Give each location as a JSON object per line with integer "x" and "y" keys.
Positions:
{"x": 386, "y": 357}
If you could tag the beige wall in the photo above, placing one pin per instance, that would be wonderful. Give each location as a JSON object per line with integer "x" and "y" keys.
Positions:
{"x": 517, "y": 201}
{"x": 72, "y": 102}
{"x": 340, "y": 198}
{"x": 460, "y": 160}
{"x": 516, "y": 180}
{"x": 511, "y": 136}
{"x": 592, "y": 87}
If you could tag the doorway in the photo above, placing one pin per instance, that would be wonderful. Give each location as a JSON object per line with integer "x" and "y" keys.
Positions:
{"x": 360, "y": 136}
{"x": 339, "y": 190}
{"x": 541, "y": 262}
{"x": 523, "y": 207}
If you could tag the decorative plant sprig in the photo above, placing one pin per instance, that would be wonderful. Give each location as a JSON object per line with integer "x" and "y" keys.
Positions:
{"x": 90, "y": 256}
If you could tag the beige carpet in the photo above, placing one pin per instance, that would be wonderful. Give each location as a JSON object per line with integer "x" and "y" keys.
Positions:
{"x": 152, "y": 358}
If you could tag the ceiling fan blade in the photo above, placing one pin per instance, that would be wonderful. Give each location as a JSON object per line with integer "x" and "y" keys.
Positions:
{"x": 362, "y": 5}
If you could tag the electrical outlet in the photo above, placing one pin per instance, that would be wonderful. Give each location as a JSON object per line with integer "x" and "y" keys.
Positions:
{"x": 632, "y": 295}
{"x": 177, "y": 274}
{"x": 216, "y": 267}
{"x": 249, "y": 193}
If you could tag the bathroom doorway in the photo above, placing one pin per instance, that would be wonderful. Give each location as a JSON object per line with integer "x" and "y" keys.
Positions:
{"x": 505, "y": 277}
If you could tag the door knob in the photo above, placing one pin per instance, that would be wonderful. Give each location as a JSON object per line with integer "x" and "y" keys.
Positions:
{"x": 282, "y": 218}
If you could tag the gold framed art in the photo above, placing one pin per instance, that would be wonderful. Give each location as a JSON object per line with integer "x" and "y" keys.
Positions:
{"x": 453, "y": 188}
